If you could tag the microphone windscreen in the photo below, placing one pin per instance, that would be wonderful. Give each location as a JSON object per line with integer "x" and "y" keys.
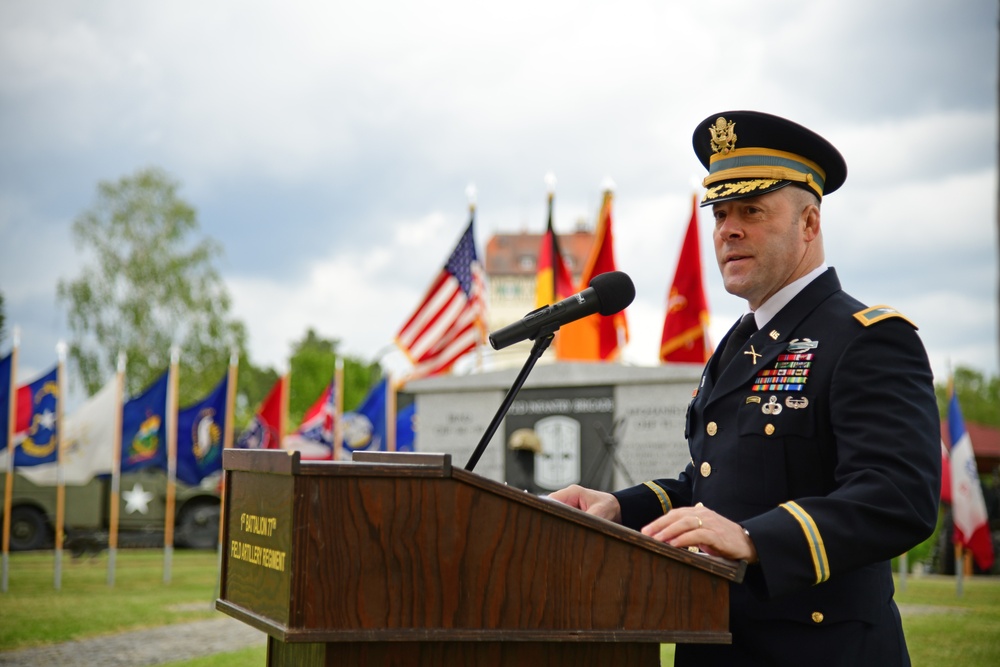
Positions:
{"x": 615, "y": 291}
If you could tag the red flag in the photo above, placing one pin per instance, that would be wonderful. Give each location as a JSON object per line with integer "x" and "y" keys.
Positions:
{"x": 24, "y": 408}
{"x": 945, "y": 474}
{"x": 595, "y": 337}
{"x": 553, "y": 282}
{"x": 685, "y": 327}
{"x": 267, "y": 428}
{"x": 450, "y": 320}
{"x": 314, "y": 436}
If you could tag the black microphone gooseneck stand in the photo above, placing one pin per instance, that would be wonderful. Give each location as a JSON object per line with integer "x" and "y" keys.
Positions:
{"x": 541, "y": 344}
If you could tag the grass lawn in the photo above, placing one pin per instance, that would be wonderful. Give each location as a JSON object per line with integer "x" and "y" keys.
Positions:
{"x": 85, "y": 606}
{"x": 940, "y": 627}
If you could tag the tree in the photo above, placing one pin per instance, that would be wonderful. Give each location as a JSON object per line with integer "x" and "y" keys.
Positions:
{"x": 149, "y": 285}
{"x": 978, "y": 395}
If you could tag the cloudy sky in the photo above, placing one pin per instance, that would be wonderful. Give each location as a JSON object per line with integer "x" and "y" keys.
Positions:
{"x": 328, "y": 146}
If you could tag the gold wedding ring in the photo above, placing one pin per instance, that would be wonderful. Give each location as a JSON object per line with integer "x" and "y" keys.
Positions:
{"x": 699, "y": 521}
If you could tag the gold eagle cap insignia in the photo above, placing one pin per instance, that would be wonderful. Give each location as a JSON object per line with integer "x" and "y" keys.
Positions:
{"x": 723, "y": 135}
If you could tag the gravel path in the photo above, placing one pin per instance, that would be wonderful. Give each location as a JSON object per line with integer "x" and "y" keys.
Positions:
{"x": 154, "y": 646}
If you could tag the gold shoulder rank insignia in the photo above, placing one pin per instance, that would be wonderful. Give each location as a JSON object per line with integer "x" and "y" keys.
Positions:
{"x": 870, "y": 316}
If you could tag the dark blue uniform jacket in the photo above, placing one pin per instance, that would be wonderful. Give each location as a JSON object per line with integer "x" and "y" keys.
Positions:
{"x": 822, "y": 439}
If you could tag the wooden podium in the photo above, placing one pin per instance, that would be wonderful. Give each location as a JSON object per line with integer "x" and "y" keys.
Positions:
{"x": 401, "y": 559}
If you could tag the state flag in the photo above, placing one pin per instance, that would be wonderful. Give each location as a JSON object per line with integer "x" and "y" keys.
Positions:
{"x": 406, "y": 427}
{"x": 144, "y": 428}
{"x": 365, "y": 427}
{"x": 7, "y": 393}
{"x": 200, "y": 428}
{"x": 87, "y": 441}
{"x": 36, "y": 428}
{"x": 968, "y": 507}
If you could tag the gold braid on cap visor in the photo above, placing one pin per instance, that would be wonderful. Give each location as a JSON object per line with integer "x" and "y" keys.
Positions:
{"x": 764, "y": 163}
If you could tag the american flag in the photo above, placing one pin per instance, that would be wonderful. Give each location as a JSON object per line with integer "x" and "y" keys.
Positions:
{"x": 451, "y": 319}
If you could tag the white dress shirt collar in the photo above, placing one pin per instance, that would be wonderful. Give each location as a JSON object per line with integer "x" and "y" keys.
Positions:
{"x": 780, "y": 299}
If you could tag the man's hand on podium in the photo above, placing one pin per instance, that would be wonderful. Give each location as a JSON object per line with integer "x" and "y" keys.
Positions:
{"x": 700, "y": 527}
{"x": 598, "y": 503}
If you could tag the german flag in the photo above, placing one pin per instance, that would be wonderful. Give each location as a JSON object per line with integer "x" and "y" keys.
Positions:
{"x": 553, "y": 282}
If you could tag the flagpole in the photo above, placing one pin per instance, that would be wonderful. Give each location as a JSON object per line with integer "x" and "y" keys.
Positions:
{"x": 60, "y": 473}
{"x": 286, "y": 382}
{"x": 471, "y": 193}
{"x": 116, "y": 468}
{"x": 390, "y": 414}
{"x": 550, "y": 192}
{"x": 338, "y": 407}
{"x": 603, "y": 223}
{"x": 705, "y": 321}
{"x": 959, "y": 569}
{"x": 8, "y": 494}
{"x": 227, "y": 443}
{"x": 956, "y": 544}
{"x": 168, "y": 522}
{"x": 608, "y": 194}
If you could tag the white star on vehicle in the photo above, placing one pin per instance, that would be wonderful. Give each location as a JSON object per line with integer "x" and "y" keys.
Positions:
{"x": 137, "y": 500}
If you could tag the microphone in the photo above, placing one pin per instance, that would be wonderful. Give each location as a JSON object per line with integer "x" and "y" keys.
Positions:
{"x": 608, "y": 293}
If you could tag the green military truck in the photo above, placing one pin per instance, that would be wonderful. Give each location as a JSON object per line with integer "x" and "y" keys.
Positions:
{"x": 141, "y": 513}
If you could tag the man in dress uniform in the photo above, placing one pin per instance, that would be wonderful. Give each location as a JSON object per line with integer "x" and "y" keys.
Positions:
{"x": 813, "y": 433}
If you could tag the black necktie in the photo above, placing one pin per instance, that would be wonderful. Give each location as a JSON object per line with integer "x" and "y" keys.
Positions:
{"x": 740, "y": 335}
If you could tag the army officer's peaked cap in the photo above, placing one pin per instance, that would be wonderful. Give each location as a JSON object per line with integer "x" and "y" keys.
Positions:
{"x": 749, "y": 153}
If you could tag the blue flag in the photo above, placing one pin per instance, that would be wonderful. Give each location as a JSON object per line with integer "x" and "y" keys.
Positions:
{"x": 364, "y": 429}
{"x": 405, "y": 426}
{"x": 6, "y": 370}
{"x": 199, "y": 436}
{"x": 144, "y": 428}
{"x": 36, "y": 424}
